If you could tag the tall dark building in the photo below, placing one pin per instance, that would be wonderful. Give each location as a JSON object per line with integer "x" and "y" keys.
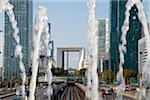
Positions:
{"x": 117, "y": 16}
{"x": 23, "y": 14}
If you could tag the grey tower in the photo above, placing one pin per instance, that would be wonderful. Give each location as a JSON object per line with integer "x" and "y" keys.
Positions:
{"x": 23, "y": 13}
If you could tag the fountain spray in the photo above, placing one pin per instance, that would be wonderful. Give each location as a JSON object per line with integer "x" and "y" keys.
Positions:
{"x": 122, "y": 47}
{"x": 6, "y": 6}
{"x": 88, "y": 75}
{"x": 93, "y": 38}
{"x": 49, "y": 78}
{"x": 40, "y": 23}
{"x": 44, "y": 50}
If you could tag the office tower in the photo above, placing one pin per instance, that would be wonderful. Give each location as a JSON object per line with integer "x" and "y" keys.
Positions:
{"x": 103, "y": 44}
{"x": 117, "y": 15}
{"x": 1, "y": 57}
{"x": 23, "y": 14}
{"x": 142, "y": 54}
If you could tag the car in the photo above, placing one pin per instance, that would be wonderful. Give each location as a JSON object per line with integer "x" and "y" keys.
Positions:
{"x": 16, "y": 98}
{"x": 102, "y": 93}
{"x": 108, "y": 92}
{"x": 127, "y": 89}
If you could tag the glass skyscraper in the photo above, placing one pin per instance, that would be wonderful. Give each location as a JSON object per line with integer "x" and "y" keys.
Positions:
{"x": 103, "y": 44}
{"x": 23, "y": 10}
{"x": 117, "y": 15}
{"x": 103, "y": 34}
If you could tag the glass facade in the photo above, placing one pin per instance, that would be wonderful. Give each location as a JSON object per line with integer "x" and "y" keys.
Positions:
{"x": 23, "y": 13}
{"x": 117, "y": 16}
{"x": 103, "y": 44}
{"x": 103, "y": 35}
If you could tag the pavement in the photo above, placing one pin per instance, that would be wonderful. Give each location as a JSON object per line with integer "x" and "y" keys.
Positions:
{"x": 65, "y": 91}
{"x": 112, "y": 97}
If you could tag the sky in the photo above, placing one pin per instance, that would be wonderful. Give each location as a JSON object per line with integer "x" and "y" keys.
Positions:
{"x": 68, "y": 20}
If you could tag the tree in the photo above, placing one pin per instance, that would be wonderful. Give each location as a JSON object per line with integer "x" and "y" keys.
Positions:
{"x": 108, "y": 76}
{"x": 127, "y": 75}
{"x": 100, "y": 74}
{"x": 60, "y": 71}
{"x": 65, "y": 72}
{"x": 139, "y": 75}
{"x": 82, "y": 72}
{"x": 77, "y": 72}
{"x": 55, "y": 71}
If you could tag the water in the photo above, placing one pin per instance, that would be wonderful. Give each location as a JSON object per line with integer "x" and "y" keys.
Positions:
{"x": 6, "y": 6}
{"x": 122, "y": 47}
{"x": 93, "y": 39}
{"x": 41, "y": 34}
{"x": 49, "y": 78}
{"x": 102, "y": 67}
{"x": 88, "y": 75}
{"x": 44, "y": 50}
{"x": 40, "y": 43}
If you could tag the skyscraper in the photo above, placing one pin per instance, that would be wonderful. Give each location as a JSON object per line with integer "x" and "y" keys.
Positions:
{"x": 23, "y": 13}
{"x": 1, "y": 57}
{"x": 117, "y": 15}
{"x": 103, "y": 46}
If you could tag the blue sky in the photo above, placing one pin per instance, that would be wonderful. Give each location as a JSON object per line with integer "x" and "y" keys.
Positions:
{"x": 69, "y": 23}
{"x": 68, "y": 20}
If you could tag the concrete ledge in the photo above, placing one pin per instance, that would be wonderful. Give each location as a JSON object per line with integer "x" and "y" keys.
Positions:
{"x": 7, "y": 95}
{"x": 130, "y": 96}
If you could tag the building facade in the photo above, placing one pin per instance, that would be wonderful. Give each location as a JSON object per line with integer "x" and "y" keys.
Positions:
{"x": 103, "y": 46}
{"x": 63, "y": 57}
{"x": 23, "y": 13}
{"x": 1, "y": 57}
{"x": 142, "y": 53}
{"x": 117, "y": 15}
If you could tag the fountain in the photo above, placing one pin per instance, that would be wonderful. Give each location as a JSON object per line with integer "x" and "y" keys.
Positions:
{"x": 6, "y": 6}
{"x": 93, "y": 38}
{"x": 41, "y": 44}
{"x": 41, "y": 34}
{"x": 88, "y": 75}
{"x": 122, "y": 47}
{"x": 102, "y": 67}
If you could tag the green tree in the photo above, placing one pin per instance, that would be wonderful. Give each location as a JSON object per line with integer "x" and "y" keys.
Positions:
{"x": 139, "y": 75}
{"x": 82, "y": 72}
{"x": 77, "y": 72}
{"x": 60, "y": 71}
{"x": 108, "y": 76}
{"x": 65, "y": 72}
{"x": 55, "y": 71}
{"x": 127, "y": 75}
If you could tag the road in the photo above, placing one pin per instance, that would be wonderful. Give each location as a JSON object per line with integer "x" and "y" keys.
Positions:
{"x": 73, "y": 93}
{"x": 66, "y": 92}
{"x": 112, "y": 97}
